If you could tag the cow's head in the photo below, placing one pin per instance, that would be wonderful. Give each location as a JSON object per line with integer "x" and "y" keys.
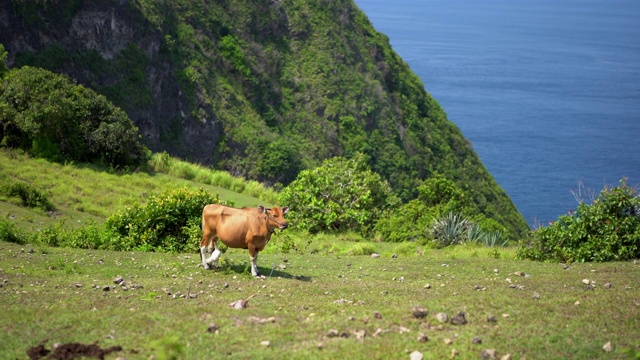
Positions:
{"x": 275, "y": 217}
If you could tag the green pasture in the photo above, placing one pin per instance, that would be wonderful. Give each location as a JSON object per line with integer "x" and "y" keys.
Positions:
{"x": 317, "y": 304}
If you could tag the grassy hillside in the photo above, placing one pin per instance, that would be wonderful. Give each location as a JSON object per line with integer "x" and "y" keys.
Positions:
{"x": 83, "y": 193}
{"x": 261, "y": 89}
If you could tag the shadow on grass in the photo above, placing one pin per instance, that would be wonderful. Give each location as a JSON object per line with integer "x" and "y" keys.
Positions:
{"x": 266, "y": 272}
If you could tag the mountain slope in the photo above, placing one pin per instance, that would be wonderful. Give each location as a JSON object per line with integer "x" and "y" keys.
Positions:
{"x": 260, "y": 88}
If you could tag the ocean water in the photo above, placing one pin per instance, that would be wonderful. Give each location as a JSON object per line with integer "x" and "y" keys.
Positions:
{"x": 547, "y": 91}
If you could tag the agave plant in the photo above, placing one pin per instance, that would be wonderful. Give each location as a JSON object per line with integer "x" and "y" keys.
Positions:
{"x": 474, "y": 233}
{"x": 450, "y": 229}
{"x": 493, "y": 239}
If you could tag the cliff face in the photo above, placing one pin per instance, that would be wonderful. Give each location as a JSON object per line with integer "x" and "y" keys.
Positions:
{"x": 67, "y": 35}
{"x": 261, "y": 88}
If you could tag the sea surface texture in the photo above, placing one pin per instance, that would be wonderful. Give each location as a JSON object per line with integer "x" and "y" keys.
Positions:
{"x": 547, "y": 91}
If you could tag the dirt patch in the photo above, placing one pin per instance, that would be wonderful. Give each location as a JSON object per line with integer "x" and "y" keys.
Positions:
{"x": 70, "y": 351}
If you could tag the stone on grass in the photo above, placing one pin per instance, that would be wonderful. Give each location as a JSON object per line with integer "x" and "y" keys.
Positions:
{"x": 488, "y": 354}
{"x": 506, "y": 357}
{"x": 476, "y": 340}
{"x": 416, "y": 355}
{"x": 607, "y": 347}
{"x": 213, "y": 328}
{"x": 442, "y": 317}
{"x": 375, "y": 255}
{"x": 459, "y": 319}
{"x": 422, "y": 338}
{"x": 419, "y": 312}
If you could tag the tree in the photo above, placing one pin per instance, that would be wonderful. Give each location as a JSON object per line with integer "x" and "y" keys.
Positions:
{"x": 3, "y": 61}
{"x": 340, "y": 195}
{"x": 50, "y": 116}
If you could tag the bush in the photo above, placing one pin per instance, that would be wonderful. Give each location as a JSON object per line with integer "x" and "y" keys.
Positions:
{"x": 29, "y": 195}
{"x": 414, "y": 221}
{"x": 341, "y": 195}
{"x": 168, "y": 222}
{"x": 9, "y": 233}
{"x": 607, "y": 229}
{"x": 49, "y": 115}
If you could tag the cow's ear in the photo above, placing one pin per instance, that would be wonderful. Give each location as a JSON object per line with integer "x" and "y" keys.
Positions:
{"x": 285, "y": 210}
{"x": 261, "y": 208}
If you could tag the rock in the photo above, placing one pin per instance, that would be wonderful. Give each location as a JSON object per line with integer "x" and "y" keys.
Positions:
{"x": 419, "y": 312}
{"x": 427, "y": 286}
{"x": 238, "y": 304}
{"x": 213, "y": 328}
{"x": 265, "y": 343}
{"x": 454, "y": 353}
{"x": 375, "y": 255}
{"x": 586, "y": 281}
{"x": 507, "y": 357}
{"x": 488, "y": 354}
{"x": 607, "y": 347}
{"x": 442, "y": 317}
{"x": 333, "y": 333}
{"x": 607, "y": 285}
{"x": 536, "y": 296}
{"x": 416, "y": 355}
{"x": 360, "y": 334}
{"x": 422, "y": 338}
{"x": 459, "y": 319}
{"x": 492, "y": 318}
{"x": 476, "y": 340}
{"x": 118, "y": 280}
{"x": 448, "y": 341}
{"x": 377, "y": 315}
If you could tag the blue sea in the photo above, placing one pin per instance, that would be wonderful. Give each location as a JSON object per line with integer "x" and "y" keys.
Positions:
{"x": 547, "y": 91}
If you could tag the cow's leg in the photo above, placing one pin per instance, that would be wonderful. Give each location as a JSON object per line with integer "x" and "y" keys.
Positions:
{"x": 207, "y": 244}
{"x": 215, "y": 255}
{"x": 253, "y": 255}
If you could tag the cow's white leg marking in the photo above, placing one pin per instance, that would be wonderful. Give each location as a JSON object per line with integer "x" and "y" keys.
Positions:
{"x": 204, "y": 253}
{"x": 254, "y": 265}
{"x": 213, "y": 259}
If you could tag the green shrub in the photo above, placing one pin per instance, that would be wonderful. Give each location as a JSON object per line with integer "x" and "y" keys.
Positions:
{"x": 10, "y": 233}
{"x": 29, "y": 195}
{"x": 52, "y": 117}
{"x": 607, "y": 229}
{"x": 168, "y": 222}
{"x": 415, "y": 220}
{"x": 341, "y": 195}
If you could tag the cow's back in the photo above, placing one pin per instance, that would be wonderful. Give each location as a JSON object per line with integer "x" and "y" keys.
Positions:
{"x": 232, "y": 226}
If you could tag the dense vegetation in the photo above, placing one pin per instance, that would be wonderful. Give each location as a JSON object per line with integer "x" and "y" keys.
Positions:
{"x": 262, "y": 89}
{"x": 167, "y": 219}
{"x": 50, "y": 116}
{"x": 606, "y": 229}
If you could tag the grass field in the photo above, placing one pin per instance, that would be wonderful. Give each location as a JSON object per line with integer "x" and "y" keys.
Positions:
{"x": 316, "y": 305}
{"x": 328, "y": 298}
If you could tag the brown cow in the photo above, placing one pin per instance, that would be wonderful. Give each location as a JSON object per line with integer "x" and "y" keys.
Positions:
{"x": 246, "y": 228}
